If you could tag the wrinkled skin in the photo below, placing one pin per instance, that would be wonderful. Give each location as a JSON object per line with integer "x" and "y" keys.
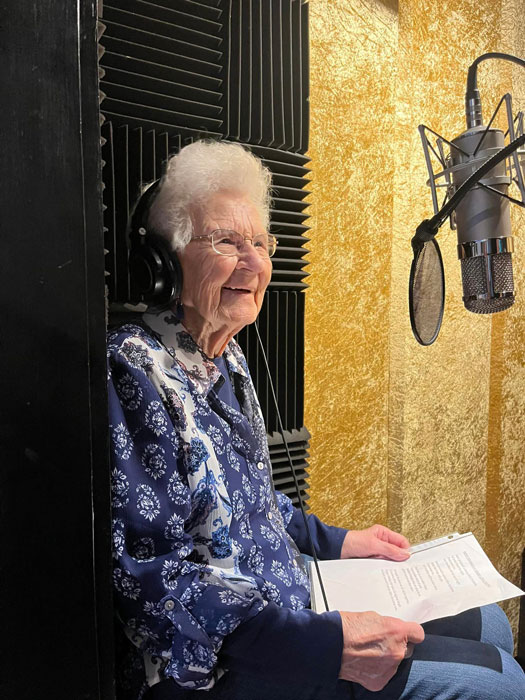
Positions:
{"x": 377, "y": 542}
{"x": 222, "y": 294}
{"x": 374, "y": 646}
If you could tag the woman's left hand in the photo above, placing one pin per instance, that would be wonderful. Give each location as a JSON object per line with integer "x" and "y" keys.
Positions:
{"x": 377, "y": 541}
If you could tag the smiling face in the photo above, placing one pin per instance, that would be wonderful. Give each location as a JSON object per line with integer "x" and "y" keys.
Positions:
{"x": 222, "y": 294}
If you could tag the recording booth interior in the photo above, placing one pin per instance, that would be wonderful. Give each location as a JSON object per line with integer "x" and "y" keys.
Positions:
{"x": 101, "y": 94}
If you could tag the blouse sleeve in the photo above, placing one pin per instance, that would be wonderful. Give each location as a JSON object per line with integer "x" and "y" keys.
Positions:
{"x": 327, "y": 539}
{"x": 173, "y": 605}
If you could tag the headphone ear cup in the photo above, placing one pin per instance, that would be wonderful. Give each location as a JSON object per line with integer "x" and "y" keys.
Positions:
{"x": 155, "y": 272}
{"x": 172, "y": 272}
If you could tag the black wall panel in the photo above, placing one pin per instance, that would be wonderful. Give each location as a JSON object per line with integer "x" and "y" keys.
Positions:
{"x": 55, "y": 562}
{"x": 177, "y": 70}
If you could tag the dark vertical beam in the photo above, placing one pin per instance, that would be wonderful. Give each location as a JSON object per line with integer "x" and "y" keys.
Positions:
{"x": 521, "y": 628}
{"x": 54, "y": 514}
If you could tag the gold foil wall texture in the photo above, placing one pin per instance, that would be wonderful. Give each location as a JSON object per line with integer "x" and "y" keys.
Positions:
{"x": 426, "y": 440}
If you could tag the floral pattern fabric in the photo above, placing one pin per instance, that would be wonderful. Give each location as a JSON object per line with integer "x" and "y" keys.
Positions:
{"x": 199, "y": 534}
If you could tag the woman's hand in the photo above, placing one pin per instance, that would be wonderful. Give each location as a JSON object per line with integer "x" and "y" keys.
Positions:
{"x": 374, "y": 646}
{"x": 376, "y": 541}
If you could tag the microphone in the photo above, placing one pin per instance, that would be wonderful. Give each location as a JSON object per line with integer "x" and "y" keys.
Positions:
{"x": 482, "y": 221}
{"x": 477, "y": 169}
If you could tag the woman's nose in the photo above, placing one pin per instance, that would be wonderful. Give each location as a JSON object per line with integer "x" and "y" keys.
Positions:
{"x": 249, "y": 258}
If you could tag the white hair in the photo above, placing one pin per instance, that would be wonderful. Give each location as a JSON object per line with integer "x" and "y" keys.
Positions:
{"x": 194, "y": 174}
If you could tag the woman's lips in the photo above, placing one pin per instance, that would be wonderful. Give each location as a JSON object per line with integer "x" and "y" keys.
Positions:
{"x": 238, "y": 290}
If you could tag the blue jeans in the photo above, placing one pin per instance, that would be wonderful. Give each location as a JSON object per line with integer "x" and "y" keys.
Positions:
{"x": 465, "y": 657}
{"x": 448, "y": 667}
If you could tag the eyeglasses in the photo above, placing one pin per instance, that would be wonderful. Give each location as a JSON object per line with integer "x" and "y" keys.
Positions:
{"x": 226, "y": 242}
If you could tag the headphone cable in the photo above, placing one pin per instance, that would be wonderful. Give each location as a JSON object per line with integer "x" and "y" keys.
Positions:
{"x": 296, "y": 483}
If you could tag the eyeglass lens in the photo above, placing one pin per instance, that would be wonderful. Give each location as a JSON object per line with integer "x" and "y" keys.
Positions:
{"x": 230, "y": 243}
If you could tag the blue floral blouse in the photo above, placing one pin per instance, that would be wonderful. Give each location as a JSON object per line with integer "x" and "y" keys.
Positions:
{"x": 200, "y": 537}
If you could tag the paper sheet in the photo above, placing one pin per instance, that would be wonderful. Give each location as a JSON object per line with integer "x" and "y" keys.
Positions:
{"x": 442, "y": 577}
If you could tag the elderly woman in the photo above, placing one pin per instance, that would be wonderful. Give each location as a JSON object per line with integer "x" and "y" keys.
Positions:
{"x": 211, "y": 589}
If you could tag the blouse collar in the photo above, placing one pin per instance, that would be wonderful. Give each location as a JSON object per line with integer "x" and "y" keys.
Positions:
{"x": 200, "y": 369}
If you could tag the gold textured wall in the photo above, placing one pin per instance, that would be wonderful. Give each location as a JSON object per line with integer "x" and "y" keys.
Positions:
{"x": 426, "y": 440}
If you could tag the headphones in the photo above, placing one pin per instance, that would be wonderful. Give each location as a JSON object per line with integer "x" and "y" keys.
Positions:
{"x": 154, "y": 270}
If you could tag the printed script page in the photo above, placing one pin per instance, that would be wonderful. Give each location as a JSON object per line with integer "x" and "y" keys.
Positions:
{"x": 444, "y": 578}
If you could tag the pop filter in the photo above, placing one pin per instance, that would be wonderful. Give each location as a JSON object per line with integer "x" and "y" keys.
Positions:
{"x": 426, "y": 292}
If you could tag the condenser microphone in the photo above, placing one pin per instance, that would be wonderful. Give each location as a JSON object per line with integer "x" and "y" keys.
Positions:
{"x": 477, "y": 171}
{"x": 482, "y": 221}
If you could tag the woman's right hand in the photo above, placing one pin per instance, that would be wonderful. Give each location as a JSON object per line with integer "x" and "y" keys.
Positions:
{"x": 374, "y": 646}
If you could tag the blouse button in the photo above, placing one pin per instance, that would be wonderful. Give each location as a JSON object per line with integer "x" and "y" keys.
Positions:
{"x": 260, "y": 466}
{"x": 270, "y": 516}
{"x": 169, "y": 605}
